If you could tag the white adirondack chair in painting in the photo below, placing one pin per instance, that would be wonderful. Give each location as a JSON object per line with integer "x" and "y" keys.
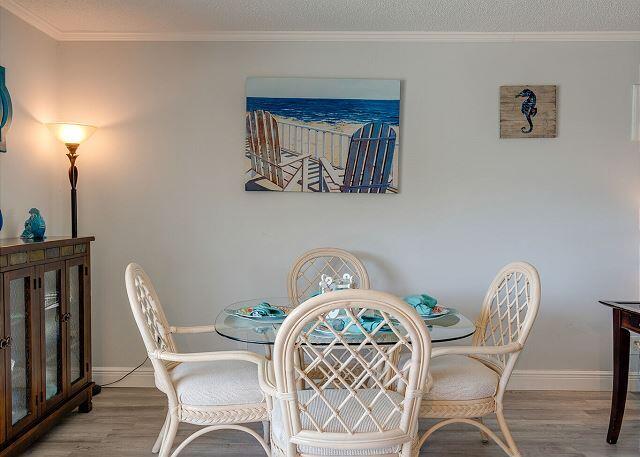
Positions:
{"x": 263, "y": 143}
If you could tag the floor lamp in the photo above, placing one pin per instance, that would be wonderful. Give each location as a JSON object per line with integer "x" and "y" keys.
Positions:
{"x": 72, "y": 135}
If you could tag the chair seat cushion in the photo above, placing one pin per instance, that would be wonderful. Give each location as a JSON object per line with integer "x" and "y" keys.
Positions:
{"x": 458, "y": 377}
{"x": 228, "y": 382}
{"x": 350, "y": 412}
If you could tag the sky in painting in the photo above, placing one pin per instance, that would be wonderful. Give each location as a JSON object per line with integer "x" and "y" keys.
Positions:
{"x": 362, "y": 89}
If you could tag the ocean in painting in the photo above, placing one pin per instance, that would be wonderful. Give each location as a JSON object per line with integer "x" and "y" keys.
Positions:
{"x": 330, "y": 111}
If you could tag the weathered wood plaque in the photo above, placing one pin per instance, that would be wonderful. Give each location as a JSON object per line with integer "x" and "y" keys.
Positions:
{"x": 528, "y": 112}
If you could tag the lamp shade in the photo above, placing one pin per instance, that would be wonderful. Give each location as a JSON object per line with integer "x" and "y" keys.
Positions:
{"x": 71, "y": 133}
{"x": 635, "y": 114}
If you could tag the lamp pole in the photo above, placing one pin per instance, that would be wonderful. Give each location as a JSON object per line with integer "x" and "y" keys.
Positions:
{"x": 73, "y": 179}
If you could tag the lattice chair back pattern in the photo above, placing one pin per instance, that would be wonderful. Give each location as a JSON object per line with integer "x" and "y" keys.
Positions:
{"x": 307, "y": 271}
{"x": 365, "y": 402}
{"x": 149, "y": 315}
{"x": 509, "y": 311}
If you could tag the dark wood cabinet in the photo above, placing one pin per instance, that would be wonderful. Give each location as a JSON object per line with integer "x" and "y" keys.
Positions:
{"x": 45, "y": 336}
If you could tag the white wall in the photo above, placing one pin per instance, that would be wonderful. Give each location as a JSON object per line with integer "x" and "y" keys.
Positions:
{"x": 33, "y": 172}
{"x": 161, "y": 182}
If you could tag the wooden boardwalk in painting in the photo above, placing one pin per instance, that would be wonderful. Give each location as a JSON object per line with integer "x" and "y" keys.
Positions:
{"x": 288, "y": 173}
{"x": 314, "y": 176}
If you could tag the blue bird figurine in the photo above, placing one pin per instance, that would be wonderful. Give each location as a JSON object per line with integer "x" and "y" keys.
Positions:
{"x": 34, "y": 227}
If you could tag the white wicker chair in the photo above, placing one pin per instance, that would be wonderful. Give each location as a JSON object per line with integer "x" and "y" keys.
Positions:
{"x": 306, "y": 273}
{"x": 216, "y": 389}
{"x": 368, "y": 405}
{"x": 469, "y": 382}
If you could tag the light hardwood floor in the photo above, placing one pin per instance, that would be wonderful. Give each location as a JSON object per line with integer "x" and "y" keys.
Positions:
{"x": 125, "y": 422}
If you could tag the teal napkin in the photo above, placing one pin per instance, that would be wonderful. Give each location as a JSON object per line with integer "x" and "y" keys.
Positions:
{"x": 423, "y": 303}
{"x": 369, "y": 323}
{"x": 265, "y": 309}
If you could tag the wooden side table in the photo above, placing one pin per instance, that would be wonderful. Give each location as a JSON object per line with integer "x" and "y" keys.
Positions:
{"x": 626, "y": 318}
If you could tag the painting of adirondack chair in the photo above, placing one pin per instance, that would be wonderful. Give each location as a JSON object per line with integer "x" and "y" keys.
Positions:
{"x": 369, "y": 162}
{"x": 322, "y": 135}
{"x": 273, "y": 173}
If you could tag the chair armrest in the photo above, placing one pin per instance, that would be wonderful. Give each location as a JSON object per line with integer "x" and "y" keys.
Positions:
{"x": 476, "y": 350}
{"x": 333, "y": 174}
{"x": 193, "y": 329}
{"x": 284, "y": 163}
{"x": 246, "y": 356}
{"x": 263, "y": 364}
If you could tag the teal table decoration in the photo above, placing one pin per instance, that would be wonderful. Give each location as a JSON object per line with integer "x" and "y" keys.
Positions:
{"x": 34, "y": 227}
{"x": 6, "y": 111}
{"x": 423, "y": 303}
{"x": 265, "y": 309}
{"x": 343, "y": 323}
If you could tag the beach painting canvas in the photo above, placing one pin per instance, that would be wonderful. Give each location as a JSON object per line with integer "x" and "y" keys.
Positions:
{"x": 322, "y": 135}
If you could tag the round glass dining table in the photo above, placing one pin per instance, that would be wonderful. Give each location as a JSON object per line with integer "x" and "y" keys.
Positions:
{"x": 449, "y": 327}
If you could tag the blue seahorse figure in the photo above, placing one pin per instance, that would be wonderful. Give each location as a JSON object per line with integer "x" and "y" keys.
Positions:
{"x": 528, "y": 108}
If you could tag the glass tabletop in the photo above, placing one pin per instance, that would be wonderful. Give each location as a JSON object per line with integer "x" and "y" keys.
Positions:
{"x": 231, "y": 324}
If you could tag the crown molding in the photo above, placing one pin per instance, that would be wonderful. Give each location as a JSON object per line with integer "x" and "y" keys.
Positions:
{"x": 325, "y": 36}
{"x": 32, "y": 19}
{"x": 319, "y": 36}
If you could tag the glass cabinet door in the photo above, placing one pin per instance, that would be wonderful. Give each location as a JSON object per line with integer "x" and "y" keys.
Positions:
{"x": 3, "y": 348}
{"x": 21, "y": 350}
{"x": 51, "y": 303}
{"x": 75, "y": 322}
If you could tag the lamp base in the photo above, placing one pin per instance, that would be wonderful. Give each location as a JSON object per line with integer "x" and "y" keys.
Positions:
{"x": 74, "y": 213}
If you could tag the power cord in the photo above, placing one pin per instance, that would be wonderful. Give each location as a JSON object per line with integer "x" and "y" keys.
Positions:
{"x": 114, "y": 382}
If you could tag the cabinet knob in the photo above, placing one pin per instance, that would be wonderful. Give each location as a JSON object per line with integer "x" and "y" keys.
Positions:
{"x": 66, "y": 317}
{"x": 5, "y": 342}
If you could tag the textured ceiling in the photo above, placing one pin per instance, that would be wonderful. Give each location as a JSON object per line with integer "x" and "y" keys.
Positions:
{"x": 197, "y": 16}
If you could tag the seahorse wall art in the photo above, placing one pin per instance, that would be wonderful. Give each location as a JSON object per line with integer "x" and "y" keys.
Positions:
{"x": 528, "y": 111}
{"x": 5, "y": 112}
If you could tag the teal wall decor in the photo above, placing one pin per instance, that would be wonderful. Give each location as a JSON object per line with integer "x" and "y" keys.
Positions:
{"x": 6, "y": 112}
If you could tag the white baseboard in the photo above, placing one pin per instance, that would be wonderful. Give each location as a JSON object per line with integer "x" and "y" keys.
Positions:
{"x": 142, "y": 377}
{"x": 567, "y": 380}
{"x": 521, "y": 379}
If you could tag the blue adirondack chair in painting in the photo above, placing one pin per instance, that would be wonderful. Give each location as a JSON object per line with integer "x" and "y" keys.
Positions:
{"x": 263, "y": 149}
{"x": 369, "y": 162}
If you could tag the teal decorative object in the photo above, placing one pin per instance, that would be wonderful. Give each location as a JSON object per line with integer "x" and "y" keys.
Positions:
{"x": 34, "y": 227}
{"x": 264, "y": 309}
{"x": 6, "y": 112}
{"x": 422, "y": 303}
